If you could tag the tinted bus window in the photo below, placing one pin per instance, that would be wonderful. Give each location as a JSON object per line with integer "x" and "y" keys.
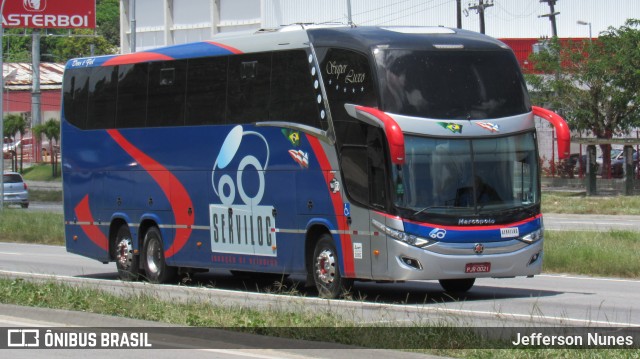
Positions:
{"x": 292, "y": 93}
{"x": 451, "y": 84}
{"x": 167, "y": 84}
{"x": 132, "y": 95}
{"x": 206, "y": 91}
{"x": 103, "y": 91}
{"x": 347, "y": 79}
{"x": 249, "y": 88}
{"x": 76, "y": 89}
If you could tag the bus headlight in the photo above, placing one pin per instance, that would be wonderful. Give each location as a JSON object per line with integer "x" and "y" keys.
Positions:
{"x": 401, "y": 236}
{"x": 533, "y": 236}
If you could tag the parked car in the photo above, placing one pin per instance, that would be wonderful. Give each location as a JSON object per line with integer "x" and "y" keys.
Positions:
{"x": 27, "y": 146}
{"x": 617, "y": 163}
{"x": 15, "y": 189}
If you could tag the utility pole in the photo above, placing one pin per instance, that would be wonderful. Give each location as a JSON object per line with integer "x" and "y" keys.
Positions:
{"x": 133, "y": 25}
{"x": 552, "y": 16}
{"x": 479, "y": 8}
{"x": 459, "y": 13}
{"x": 36, "y": 110}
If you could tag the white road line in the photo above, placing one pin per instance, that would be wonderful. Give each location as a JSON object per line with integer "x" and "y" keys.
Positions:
{"x": 567, "y": 276}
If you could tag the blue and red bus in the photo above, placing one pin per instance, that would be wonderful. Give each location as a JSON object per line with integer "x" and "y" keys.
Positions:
{"x": 340, "y": 153}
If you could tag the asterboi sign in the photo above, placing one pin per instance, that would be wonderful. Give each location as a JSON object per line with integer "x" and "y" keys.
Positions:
{"x": 246, "y": 227}
{"x": 50, "y": 14}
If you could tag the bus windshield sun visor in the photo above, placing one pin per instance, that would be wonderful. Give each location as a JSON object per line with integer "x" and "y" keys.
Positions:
{"x": 393, "y": 132}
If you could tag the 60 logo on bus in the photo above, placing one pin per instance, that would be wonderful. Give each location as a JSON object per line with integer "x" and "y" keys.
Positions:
{"x": 244, "y": 228}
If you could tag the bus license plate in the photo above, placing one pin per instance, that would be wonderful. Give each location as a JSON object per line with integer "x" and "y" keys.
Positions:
{"x": 478, "y": 267}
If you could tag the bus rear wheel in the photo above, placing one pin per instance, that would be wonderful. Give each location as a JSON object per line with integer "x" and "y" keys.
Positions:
{"x": 326, "y": 270}
{"x": 457, "y": 285}
{"x": 127, "y": 262}
{"x": 154, "y": 263}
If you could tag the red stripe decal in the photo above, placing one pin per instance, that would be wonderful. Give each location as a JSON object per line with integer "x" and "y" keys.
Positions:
{"x": 135, "y": 58}
{"x": 338, "y": 208}
{"x": 171, "y": 187}
{"x": 83, "y": 214}
{"x": 229, "y": 48}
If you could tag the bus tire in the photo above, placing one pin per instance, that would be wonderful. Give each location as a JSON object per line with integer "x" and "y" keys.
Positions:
{"x": 326, "y": 270}
{"x": 457, "y": 285}
{"x": 127, "y": 263}
{"x": 154, "y": 263}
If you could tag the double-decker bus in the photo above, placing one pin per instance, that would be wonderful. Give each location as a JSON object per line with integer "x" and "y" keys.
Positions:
{"x": 340, "y": 153}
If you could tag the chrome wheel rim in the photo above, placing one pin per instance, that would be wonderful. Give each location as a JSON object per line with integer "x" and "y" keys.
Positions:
{"x": 326, "y": 266}
{"x": 124, "y": 253}
{"x": 154, "y": 256}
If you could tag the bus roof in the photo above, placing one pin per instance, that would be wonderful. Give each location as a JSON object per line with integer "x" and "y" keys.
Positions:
{"x": 296, "y": 36}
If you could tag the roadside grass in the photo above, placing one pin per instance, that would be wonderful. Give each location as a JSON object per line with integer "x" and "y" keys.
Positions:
{"x": 20, "y": 226}
{"x": 40, "y": 172}
{"x": 299, "y": 323}
{"x": 610, "y": 254}
{"x": 37, "y": 195}
{"x": 561, "y": 202}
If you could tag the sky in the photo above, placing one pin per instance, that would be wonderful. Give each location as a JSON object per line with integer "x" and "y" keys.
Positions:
{"x": 505, "y": 19}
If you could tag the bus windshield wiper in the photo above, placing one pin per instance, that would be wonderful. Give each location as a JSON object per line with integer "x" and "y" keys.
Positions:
{"x": 433, "y": 207}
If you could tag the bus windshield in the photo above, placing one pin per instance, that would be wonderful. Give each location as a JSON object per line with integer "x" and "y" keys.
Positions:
{"x": 451, "y": 84}
{"x": 466, "y": 177}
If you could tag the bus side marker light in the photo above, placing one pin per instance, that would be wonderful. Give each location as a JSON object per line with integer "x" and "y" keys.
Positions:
{"x": 75, "y": 238}
{"x": 135, "y": 251}
{"x": 199, "y": 244}
{"x": 376, "y": 252}
{"x": 273, "y": 248}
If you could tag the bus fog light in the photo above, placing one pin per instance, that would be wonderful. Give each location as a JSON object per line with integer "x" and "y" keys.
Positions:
{"x": 534, "y": 258}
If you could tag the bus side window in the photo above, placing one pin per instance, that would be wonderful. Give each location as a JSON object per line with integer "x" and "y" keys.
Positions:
{"x": 103, "y": 91}
{"x": 292, "y": 94}
{"x": 206, "y": 91}
{"x": 249, "y": 88}
{"x": 354, "y": 164}
{"x": 167, "y": 84}
{"x": 76, "y": 85}
{"x": 132, "y": 95}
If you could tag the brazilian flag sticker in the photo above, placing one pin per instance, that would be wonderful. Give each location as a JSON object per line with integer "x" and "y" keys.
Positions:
{"x": 453, "y": 127}
{"x": 292, "y": 136}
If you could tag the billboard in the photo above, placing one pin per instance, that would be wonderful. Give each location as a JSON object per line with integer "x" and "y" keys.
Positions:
{"x": 49, "y": 14}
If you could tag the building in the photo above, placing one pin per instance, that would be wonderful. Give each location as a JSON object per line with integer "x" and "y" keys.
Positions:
{"x": 18, "y": 88}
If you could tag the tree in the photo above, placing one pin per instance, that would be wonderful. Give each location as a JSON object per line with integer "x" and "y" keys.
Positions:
{"x": 15, "y": 124}
{"x": 51, "y": 130}
{"x": 597, "y": 86}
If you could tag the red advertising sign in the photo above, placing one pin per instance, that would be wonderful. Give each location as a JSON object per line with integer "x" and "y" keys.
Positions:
{"x": 49, "y": 14}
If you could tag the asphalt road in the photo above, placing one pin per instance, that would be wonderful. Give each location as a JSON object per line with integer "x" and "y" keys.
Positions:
{"x": 552, "y": 300}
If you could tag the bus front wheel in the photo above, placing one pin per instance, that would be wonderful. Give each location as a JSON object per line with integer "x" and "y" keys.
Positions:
{"x": 326, "y": 270}
{"x": 155, "y": 266}
{"x": 457, "y": 285}
{"x": 127, "y": 262}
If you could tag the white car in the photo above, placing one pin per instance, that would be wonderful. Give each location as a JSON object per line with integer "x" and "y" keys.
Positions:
{"x": 15, "y": 189}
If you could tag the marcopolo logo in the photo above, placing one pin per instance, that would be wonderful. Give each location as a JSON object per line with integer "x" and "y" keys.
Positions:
{"x": 246, "y": 227}
{"x": 34, "y": 5}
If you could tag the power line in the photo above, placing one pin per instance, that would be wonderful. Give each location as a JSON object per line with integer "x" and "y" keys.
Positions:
{"x": 416, "y": 12}
{"x": 429, "y": 2}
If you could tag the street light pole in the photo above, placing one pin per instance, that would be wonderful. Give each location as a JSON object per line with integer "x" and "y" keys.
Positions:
{"x": 580, "y": 22}
{"x": 1, "y": 105}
